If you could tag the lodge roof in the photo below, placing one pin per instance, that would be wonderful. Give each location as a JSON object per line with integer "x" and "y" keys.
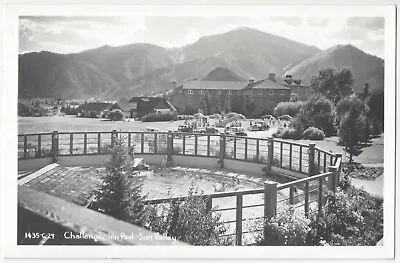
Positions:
{"x": 96, "y": 106}
{"x": 232, "y": 85}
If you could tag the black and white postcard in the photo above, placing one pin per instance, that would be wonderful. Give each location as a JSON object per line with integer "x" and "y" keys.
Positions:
{"x": 199, "y": 131}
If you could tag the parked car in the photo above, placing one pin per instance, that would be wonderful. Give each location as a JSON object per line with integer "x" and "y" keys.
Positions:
{"x": 185, "y": 128}
{"x": 259, "y": 126}
{"x": 237, "y": 131}
{"x": 268, "y": 117}
{"x": 207, "y": 130}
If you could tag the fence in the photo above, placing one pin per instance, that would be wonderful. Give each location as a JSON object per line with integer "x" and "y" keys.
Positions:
{"x": 298, "y": 158}
{"x": 318, "y": 169}
{"x": 268, "y": 202}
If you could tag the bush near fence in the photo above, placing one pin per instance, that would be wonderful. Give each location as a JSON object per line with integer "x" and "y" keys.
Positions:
{"x": 189, "y": 221}
{"x": 352, "y": 217}
{"x": 312, "y": 133}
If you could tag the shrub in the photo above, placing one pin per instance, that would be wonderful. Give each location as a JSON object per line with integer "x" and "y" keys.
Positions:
{"x": 312, "y": 133}
{"x": 352, "y": 217}
{"x": 285, "y": 229}
{"x": 153, "y": 117}
{"x": 317, "y": 112}
{"x": 287, "y": 133}
{"x": 116, "y": 115}
{"x": 92, "y": 114}
{"x": 288, "y": 108}
{"x": 189, "y": 221}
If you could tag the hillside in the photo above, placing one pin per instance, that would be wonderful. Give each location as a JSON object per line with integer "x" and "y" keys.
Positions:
{"x": 365, "y": 67}
{"x": 144, "y": 69}
{"x": 223, "y": 74}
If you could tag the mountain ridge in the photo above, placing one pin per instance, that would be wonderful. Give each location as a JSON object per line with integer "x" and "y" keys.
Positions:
{"x": 136, "y": 69}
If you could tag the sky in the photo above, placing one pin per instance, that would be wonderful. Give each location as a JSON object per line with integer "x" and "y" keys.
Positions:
{"x": 74, "y": 34}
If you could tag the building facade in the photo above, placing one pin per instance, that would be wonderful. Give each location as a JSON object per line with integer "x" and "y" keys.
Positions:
{"x": 253, "y": 97}
{"x": 146, "y": 105}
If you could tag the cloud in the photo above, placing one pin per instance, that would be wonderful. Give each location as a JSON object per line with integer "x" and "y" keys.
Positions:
{"x": 290, "y": 20}
{"x": 317, "y": 21}
{"x": 77, "y": 33}
{"x": 371, "y": 23}
{"x": 351, "y": 33}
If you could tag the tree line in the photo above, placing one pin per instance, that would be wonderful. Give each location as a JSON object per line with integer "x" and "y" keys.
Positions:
{"x": 335, "y": 109}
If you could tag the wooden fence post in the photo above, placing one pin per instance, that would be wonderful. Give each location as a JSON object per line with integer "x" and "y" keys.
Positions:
{"x": 311, "y": 159}
{"x": 332, "y": 178}
{"x": 320, "y": 195}
{"x": 25, "y": 146}
{"x": 169, "y": 146}
{"x": 239, "y": 219}
{"x": 222, "y": 141}
{"x": 270, "y": 153}
{"x": 257, "y": 150}
{"x": 270, "y": 199}
{"x": 98, "y": 142}
{"x": 54, "y": 146}
{"x": 155, "y": 143}
{"x": 85, "y": 143}
{"x": 113, "y": 137}
{"x": 306, "y": 199}
{"x": 291, "y": 195}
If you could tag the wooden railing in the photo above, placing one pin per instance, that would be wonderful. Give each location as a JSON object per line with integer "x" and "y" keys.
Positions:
{"x": 299, "y": 158}
{"x": 299, "y": 192}
{"x": 320, "y": 168}
{"x": 45, "y": 219}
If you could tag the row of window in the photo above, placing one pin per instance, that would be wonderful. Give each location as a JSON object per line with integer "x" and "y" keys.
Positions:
{"x": 249, "y": 92}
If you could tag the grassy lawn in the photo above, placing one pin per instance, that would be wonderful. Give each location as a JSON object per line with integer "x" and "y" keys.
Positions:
{"x": 372, "y": 154}
{"x": 72, "y": 123}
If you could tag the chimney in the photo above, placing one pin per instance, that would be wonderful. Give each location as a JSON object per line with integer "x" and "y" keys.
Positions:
{"x": 366, "y": 88}
{"x": 288, "y": 79}
{"x": 251, "y": 81}
{"x": 288, "y": 76}
{"x": 271, "y": 76}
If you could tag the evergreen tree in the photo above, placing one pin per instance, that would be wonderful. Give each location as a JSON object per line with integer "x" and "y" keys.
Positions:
{"x": 119, "y": 196}
{"x": 351, "y": 131}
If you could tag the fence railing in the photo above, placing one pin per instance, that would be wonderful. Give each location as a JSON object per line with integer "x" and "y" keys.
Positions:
{"x": 299, "y": 158}
{"x": 320, "y": 169}
{"x": 266, "y": 202}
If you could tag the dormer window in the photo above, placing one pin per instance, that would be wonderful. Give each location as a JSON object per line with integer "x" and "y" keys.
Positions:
{"x": 283, "y": 92}
{"x": 190, "y": 92}
{"x": 201, "y": 92}
{"x": 271, "y": 93}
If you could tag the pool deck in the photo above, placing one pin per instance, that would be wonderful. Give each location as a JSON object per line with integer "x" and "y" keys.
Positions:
{"x": 77, "y": 184}
{"x": 74, "y": 184}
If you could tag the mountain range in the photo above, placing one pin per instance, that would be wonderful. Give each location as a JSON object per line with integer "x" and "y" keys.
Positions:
{"x": 145, "y": 69}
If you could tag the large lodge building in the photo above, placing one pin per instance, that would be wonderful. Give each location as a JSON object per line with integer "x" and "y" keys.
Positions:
{"x": 265, "y": 93}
